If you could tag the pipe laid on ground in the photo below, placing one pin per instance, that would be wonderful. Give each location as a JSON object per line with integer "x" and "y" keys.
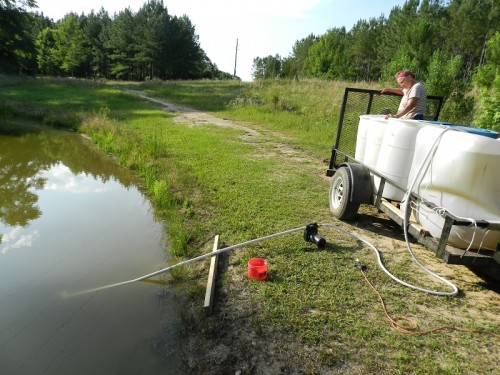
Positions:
{"x": 201, "y": 257}
{"x": 233, "y": 247}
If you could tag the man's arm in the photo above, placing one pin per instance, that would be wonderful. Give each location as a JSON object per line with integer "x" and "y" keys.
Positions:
{"x": 392, "y": 91}
{"x": 410, "y": 104}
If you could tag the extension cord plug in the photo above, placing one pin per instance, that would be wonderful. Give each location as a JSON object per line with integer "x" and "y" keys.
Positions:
{"x": 360, "y": 265}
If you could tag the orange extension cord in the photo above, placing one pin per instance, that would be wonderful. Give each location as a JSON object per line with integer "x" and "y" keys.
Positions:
{"x": 410, "y": 328}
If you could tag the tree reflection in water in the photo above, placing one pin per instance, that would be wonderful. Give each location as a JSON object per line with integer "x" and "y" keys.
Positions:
{"x": 24, "y": 158}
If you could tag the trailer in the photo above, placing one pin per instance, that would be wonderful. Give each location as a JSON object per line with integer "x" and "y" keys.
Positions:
{"x": 352, "y": 184}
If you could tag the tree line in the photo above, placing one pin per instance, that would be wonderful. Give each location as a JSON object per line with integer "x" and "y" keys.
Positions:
{"x": 413, "y": 35}
{"x": 149, "y": 44}
{"x": 452, "y": 45}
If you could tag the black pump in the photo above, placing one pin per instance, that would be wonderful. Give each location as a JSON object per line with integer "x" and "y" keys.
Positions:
{"x": 311, "y": 235}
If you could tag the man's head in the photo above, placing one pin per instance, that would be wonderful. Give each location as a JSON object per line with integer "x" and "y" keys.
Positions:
{"x": 405, "y": 78}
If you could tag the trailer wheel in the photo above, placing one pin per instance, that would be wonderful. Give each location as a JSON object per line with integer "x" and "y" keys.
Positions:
{"x": 341, "y": 205}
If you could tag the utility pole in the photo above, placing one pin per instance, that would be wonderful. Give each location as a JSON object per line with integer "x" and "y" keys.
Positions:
{"x": 235, "y": 58}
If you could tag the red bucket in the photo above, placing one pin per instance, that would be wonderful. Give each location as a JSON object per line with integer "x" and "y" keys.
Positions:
{"x": 257, "y": 269}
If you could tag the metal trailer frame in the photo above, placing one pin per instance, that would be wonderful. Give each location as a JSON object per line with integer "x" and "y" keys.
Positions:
{"x": 486, "y": 262}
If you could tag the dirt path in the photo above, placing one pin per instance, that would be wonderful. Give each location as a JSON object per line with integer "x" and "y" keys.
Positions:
{"x": 371, "y": 223}
{"x": 191, "y": 116}
{"x": 270, "y": 146}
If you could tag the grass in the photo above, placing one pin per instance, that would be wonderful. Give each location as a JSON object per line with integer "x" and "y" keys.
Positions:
{"x": 315, "y": 312}
{"x": 308, "y": 111}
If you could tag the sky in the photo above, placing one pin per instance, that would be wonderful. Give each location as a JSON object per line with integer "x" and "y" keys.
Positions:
{"x": 259, "y": 27}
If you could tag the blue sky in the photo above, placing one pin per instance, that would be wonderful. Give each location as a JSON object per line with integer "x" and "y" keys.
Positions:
{"x": 262, "y": 27}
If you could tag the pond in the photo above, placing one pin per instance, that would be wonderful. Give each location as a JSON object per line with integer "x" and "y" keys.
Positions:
{"x": 71, "y": 219}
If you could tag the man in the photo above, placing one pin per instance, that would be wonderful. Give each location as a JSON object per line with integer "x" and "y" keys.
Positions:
{"x": 414, "y": 100}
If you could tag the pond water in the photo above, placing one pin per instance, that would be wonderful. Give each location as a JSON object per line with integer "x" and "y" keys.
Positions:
{"x": 71, "y": 219}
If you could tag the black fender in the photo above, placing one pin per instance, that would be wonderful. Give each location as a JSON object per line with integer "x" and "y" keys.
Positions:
{"x": 362, "y": 186}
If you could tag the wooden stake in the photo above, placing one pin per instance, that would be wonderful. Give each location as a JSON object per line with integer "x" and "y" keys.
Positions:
{"x": 212, "y": 275}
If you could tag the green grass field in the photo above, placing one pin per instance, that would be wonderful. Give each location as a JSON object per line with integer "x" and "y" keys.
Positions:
{"x": 315, "y": 314}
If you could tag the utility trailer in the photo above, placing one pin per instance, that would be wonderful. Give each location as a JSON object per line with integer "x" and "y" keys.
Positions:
{"x": 352, "y": 185}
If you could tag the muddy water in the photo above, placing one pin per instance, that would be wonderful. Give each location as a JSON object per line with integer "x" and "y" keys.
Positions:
{"x": 70, "y": 220}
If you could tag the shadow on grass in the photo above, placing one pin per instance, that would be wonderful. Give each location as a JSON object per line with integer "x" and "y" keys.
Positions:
{"x": 379, "y": 225}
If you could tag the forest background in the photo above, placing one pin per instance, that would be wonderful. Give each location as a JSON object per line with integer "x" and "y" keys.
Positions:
{"x": 453, "y": 46}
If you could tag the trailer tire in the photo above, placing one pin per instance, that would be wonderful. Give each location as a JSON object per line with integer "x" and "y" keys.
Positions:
{"x": 341, "y": 205}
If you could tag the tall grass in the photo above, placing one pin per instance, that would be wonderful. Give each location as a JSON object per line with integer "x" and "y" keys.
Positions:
{"x": 306, "y": 110}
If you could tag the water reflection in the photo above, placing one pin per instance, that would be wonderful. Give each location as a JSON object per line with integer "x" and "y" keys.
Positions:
{"x": 22, "y": 159}
{"x": 15, "y": 239}
{"x": 71, "y": 220}
{"x": 61, "y": 178}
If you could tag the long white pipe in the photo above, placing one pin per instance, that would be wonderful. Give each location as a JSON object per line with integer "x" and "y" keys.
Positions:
{"x": 424, "y": 164}
{"x": 201, "y": 257}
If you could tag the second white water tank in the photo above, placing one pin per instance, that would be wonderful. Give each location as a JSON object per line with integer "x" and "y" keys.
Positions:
{"x": 396, "y": 155}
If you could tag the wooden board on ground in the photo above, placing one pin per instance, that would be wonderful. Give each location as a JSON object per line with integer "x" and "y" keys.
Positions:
{"x": 212, "y": 275}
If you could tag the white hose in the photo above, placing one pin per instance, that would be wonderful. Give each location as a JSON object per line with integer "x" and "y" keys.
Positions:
{"x": 379, "y": 260}
{"x": 233, "y": 247}
{"x": 425, "y": 163}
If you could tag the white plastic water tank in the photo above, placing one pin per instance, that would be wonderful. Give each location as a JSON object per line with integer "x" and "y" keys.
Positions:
{"x": 461, "y": 177}
{"x": 373, "y": 128}
{"x": 365, "y": 121}
{"x": 396, "y": 155}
